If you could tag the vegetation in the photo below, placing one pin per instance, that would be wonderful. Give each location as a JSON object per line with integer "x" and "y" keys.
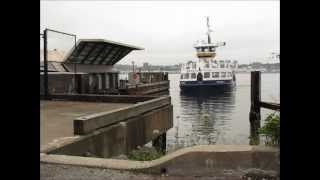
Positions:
{"x": 144, "y": 154}
{"x": 271, "y": 129}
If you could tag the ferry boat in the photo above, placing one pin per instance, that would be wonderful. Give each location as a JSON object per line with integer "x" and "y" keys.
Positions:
{"x": 207, "y": 72}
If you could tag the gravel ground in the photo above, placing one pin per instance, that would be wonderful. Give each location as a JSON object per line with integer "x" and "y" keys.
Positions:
{"x": 68, "y": 172}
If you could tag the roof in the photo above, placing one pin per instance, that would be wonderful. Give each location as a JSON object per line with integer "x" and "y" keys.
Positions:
{"x": 53, "y": 55}
{"x": 98, "y": 52}
{"x": 53, "y": 66}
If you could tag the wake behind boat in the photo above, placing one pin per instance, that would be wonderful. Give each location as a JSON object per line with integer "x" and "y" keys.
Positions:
{"x": 206, "y": 72}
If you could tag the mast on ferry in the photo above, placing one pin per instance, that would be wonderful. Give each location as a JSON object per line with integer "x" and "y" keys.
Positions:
{"x": 207, "y": 50}
{"x": 209, "y": 31}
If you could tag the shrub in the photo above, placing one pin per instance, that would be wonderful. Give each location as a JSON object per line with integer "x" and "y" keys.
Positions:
{"x": 271, "y": 129}
{"x": 144, "y": 154}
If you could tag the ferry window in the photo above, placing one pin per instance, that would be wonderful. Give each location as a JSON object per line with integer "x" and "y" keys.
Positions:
{"x": 229, "y": 74}
{"x": 181, "y": 76}
{"x": 194, "y": 65}
{"x": 215, "y": 74}
{"x": 193, "y": 75}
{"x": 206, "y": 49}
{"x": 207, "y": 65}
{"x": 186, "y": 76}
{"x": 223, "y": 74}
{"x": 222, "y": 65}
{"x": 206, "y": 75}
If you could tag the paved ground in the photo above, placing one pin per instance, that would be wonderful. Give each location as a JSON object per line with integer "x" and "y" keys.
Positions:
{"x": 57, "y": 116}
{"x": 67, "y": 172}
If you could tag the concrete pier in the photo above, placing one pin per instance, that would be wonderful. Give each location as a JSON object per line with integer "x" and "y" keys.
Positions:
{"x": 94, "y": 125}
{"x": 57, "y": 117}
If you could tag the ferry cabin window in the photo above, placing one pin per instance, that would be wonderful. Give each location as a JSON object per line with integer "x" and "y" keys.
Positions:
{"x": 206, "y": 75}
{"x": 215, "y": 74}
{"x": 193, "y": 75}
{"x": 229, "y": 74}
{"x": 207, "y": 65}
{"x": 223, "y": 74}
{"x": 186, "y": 76}
{"x": 222, "y": 65}
{"x": 181, "y": 77}
{"x": 194, "y": 66}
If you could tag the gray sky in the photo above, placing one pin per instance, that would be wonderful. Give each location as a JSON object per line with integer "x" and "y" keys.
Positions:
{"x": 167, "y": 30}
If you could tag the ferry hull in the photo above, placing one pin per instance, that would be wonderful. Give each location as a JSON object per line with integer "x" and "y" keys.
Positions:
{"x": 206, "y": 85}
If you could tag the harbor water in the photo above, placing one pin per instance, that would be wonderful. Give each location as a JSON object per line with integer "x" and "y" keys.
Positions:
{"x": 217, "y": 117}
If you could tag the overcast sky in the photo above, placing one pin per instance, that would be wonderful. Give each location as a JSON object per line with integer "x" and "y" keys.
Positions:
{"x": 167, "y": 30}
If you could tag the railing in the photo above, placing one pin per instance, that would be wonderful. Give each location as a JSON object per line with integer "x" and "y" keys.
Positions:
{"x": 255, "y": 109}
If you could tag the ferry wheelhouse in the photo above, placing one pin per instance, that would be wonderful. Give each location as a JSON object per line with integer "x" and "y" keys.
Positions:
{"x": 206, "y": 71}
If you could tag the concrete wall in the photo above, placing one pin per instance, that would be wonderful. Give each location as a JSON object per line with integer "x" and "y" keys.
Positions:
{"x": 92, "y": 83}
{"x": 237, "y": 161}
{"x": 119, "y": 138}
{"x": 58, "y": 83}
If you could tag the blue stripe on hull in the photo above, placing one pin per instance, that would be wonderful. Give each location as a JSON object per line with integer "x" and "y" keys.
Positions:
{"x": 206, "y": 83}
{"x": 186, "y": 85}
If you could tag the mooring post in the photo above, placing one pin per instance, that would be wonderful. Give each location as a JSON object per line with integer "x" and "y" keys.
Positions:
{"x": 160, "y": 143}
{"x": 255, "y": 117}
{"x": 45, "y": 65}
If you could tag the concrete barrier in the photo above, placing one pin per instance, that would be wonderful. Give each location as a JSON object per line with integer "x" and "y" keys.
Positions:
{"x": 86, "y": 124}
{"x": 203, "y": 160}
{"x": 119, "y": 138}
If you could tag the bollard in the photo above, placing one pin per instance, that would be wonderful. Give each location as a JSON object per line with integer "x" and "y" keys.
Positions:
{"x": 254, "y": 116}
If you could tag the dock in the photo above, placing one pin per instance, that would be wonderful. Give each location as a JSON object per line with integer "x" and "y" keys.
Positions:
{"x": 57, "y": 117}
{"x": 103, "y": 125}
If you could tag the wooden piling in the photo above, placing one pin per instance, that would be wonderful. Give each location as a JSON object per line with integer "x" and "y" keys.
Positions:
{"x": 160, "y": 143}
{"x": 255, "y": 117}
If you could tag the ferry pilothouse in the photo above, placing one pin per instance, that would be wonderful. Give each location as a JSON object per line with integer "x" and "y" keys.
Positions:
{"x": 207, "y": 72}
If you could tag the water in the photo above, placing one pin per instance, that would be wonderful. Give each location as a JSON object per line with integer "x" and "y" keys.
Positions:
{"x": 217, "y": 118}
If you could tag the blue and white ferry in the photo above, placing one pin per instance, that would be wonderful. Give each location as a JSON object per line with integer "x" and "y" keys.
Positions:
{"x": 207, "y": 72}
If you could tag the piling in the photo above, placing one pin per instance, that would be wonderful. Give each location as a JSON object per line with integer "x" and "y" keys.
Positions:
{"x": 255, "y": 117}
{"x": 160, "y": 143}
